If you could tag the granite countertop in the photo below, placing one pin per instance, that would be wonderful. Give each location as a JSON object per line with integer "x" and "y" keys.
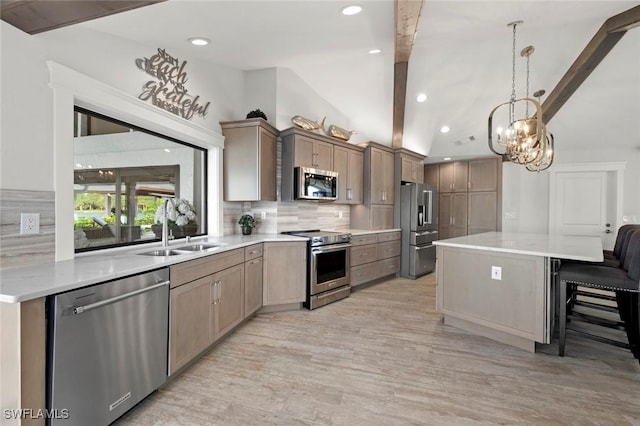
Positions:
{"x": 31, "y": 282}
{"x": 557, "y": 246}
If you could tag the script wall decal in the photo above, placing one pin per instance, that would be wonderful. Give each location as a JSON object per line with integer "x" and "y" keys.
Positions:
{"x": 167, "y": 90}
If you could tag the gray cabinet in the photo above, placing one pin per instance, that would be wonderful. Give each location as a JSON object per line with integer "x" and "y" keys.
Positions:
{"x": 409, "y": 166}
{"x": 249, "y": 167}
{"x": 301, "y": 148}
{"x": 349, "y": 163}
{"x": 379, "y": 178}
{"x": 453, "y": 177}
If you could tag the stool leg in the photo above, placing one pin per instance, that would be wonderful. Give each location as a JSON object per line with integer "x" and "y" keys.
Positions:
{"x": 563, "y": 317}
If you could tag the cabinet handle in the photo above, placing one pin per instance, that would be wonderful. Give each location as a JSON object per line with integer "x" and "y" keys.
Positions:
{"x": 253, "y": 262}
{"x": 215, "y": 292}
{"x": 219, "y": 291}
{"x": 469, "y": 185}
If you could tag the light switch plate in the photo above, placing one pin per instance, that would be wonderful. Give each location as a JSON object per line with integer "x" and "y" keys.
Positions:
{"x": 29, "y": 223}
{"x": 496, "y": 273}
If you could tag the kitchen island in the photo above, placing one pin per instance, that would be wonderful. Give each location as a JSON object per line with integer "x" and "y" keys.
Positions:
{"x": 500, "y": 285}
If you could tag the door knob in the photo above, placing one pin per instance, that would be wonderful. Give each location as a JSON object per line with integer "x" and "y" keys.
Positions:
{"x": 608, "y": 231}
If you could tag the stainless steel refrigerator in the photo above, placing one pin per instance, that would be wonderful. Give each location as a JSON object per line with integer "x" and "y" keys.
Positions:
{"x": 418, "y": 220}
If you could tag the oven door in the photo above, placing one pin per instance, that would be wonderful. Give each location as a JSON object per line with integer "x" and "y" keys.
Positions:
{"x": 329, "y": 267}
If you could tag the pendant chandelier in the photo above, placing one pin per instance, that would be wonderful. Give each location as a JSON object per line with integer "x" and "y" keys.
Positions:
{"x": 521, "y": 140}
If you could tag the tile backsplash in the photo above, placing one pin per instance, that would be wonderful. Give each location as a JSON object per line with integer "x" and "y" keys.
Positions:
{"x": 23, "y": 250}
{"x": 286, "y": 216}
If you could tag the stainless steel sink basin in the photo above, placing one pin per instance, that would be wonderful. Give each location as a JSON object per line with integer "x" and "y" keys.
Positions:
{"x": 161, "y": 252}
{"x": 197, "y": 247}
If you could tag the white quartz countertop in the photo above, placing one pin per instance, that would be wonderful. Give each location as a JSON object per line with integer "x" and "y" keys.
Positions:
{"x": 557, "y": 246}
{"x": 31, "y": 282}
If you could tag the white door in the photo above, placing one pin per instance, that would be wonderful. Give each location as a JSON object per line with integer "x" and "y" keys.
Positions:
{"x": 585, "y": 202}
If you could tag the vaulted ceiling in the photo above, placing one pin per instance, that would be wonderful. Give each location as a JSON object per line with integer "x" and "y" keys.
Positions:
{"x": 461, "y": 59}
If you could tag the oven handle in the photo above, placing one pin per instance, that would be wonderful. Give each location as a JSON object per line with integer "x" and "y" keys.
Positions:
{"x": 330, "y": 248}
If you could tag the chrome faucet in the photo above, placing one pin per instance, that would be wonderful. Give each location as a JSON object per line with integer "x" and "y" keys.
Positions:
{"x": 165, "y": 225}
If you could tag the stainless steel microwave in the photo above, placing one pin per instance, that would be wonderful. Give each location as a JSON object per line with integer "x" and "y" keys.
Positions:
{"x": 315, "y": 184}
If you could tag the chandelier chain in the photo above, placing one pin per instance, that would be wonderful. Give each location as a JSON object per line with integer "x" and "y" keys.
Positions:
{"x": 513, "y": 64}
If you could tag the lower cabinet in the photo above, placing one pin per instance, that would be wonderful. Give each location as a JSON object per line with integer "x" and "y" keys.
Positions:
{"x": 206, "y": 301}
{"x": 228, "y": 300}
{"x": 190, "y": 321}
{"x": 285, "y": 269}
{"x": 252, "y": 286}
{"x": 374, "y": 256}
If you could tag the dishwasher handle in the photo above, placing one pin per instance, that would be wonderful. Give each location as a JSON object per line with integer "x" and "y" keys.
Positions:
{"x": 81, "y": 309}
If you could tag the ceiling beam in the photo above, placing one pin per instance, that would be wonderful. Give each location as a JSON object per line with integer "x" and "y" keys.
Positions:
{"x": 37, "y": 16}
{"x": 600, "y": 45}
{"x": 407, "y": 14}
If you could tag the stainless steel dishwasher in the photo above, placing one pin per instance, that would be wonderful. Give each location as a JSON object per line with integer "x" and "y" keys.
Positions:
{"x": 107, "y": 347}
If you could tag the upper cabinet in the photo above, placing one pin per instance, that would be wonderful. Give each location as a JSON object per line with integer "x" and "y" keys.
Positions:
{"x": 249, "y": 160}
{"x": 483, "y": 174}
{"x": 377, "y": 210}
{"x": 453, "y": 177}
{"x": 379, "y": 175}
{"x": 349, "y": 163}
{"x": 409, "y": 166}
{"x": 431, "y": 172}
{"x": 307, "y": 149}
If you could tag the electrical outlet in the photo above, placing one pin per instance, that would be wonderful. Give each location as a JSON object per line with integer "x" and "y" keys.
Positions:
{"x": 496, "y": 273}
{"x": 29, "y": 223}
{"x": 263, "y": 215}
{"x": 340, "y": 214}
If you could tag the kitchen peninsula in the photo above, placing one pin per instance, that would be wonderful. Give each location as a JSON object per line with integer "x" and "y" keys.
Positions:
{"x": 499, "y": 284}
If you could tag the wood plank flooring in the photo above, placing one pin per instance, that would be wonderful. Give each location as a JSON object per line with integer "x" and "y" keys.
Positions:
{"x": 384, "y": 357}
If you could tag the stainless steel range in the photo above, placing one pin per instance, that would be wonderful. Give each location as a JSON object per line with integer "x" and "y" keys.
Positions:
{"x": 328, "y": 257}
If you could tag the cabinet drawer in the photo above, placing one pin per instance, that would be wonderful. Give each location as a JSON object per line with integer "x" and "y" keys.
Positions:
{"x": 194, "y": 269}
{"x": 388, "y": 266}
{"x": 363, "y": 273}
{"x": 253, "y": 252}
{"x": 361, "y": 240}
{"x": 388, "y": 236}
{"x": 363, "y": 254}
{"x": 388, "y": 249}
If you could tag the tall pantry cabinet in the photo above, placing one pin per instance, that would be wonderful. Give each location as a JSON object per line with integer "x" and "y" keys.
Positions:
{"x": 470, "y": 196}
{"x": 377, "y": 210}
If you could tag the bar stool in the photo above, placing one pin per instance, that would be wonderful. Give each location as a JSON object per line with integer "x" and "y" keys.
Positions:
{"x": 624, "y": 281}
{"x": 597, "y": 298}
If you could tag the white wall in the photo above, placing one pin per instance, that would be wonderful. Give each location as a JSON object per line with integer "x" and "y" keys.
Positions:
{"x": 526, "y": 194}
{"x": 26, "y": 113}
{"x": 260, "y": 88}
{"x": 296, "y": 97}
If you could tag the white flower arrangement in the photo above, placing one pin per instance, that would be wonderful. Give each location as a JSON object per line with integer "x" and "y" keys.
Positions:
{"x": 179, "y": 212}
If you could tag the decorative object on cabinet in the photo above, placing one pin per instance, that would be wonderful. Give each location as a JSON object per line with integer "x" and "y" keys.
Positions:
{"x": 521, "y": 140}
{"x": 247, "y": 222}
{"x": 256, "y": 113}
{"x": 250, "y": 157}
{"x": 338, "y": 132}
{"x": 306, "y": 124}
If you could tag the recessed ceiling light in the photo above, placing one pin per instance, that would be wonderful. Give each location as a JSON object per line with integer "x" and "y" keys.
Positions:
{"x": 444, "y": 129}
{"x": 167, "y": 150}
{"x": 421, "y": 97}
{"x": 447, "y": 158}
{"x": 374, "y": 51}
{"x": 354, "y": 9}
{"x": 199, "y": 41}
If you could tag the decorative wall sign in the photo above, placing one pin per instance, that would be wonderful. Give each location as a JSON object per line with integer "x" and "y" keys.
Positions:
{"x": 167, "y": 90}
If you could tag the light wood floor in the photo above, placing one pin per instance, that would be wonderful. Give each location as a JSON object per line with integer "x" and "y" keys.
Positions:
{"x": 384, "y": 357}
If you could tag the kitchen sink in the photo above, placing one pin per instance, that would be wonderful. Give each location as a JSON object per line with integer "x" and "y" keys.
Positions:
{"x": 161, "y": 252}
{"x": 197, "y": 247}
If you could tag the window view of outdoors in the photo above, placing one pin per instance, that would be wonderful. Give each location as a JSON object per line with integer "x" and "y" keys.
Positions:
{"x": 121, "y": 179}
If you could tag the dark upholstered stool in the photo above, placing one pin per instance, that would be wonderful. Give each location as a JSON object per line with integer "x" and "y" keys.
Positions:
{"x": 624, "y": 281}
